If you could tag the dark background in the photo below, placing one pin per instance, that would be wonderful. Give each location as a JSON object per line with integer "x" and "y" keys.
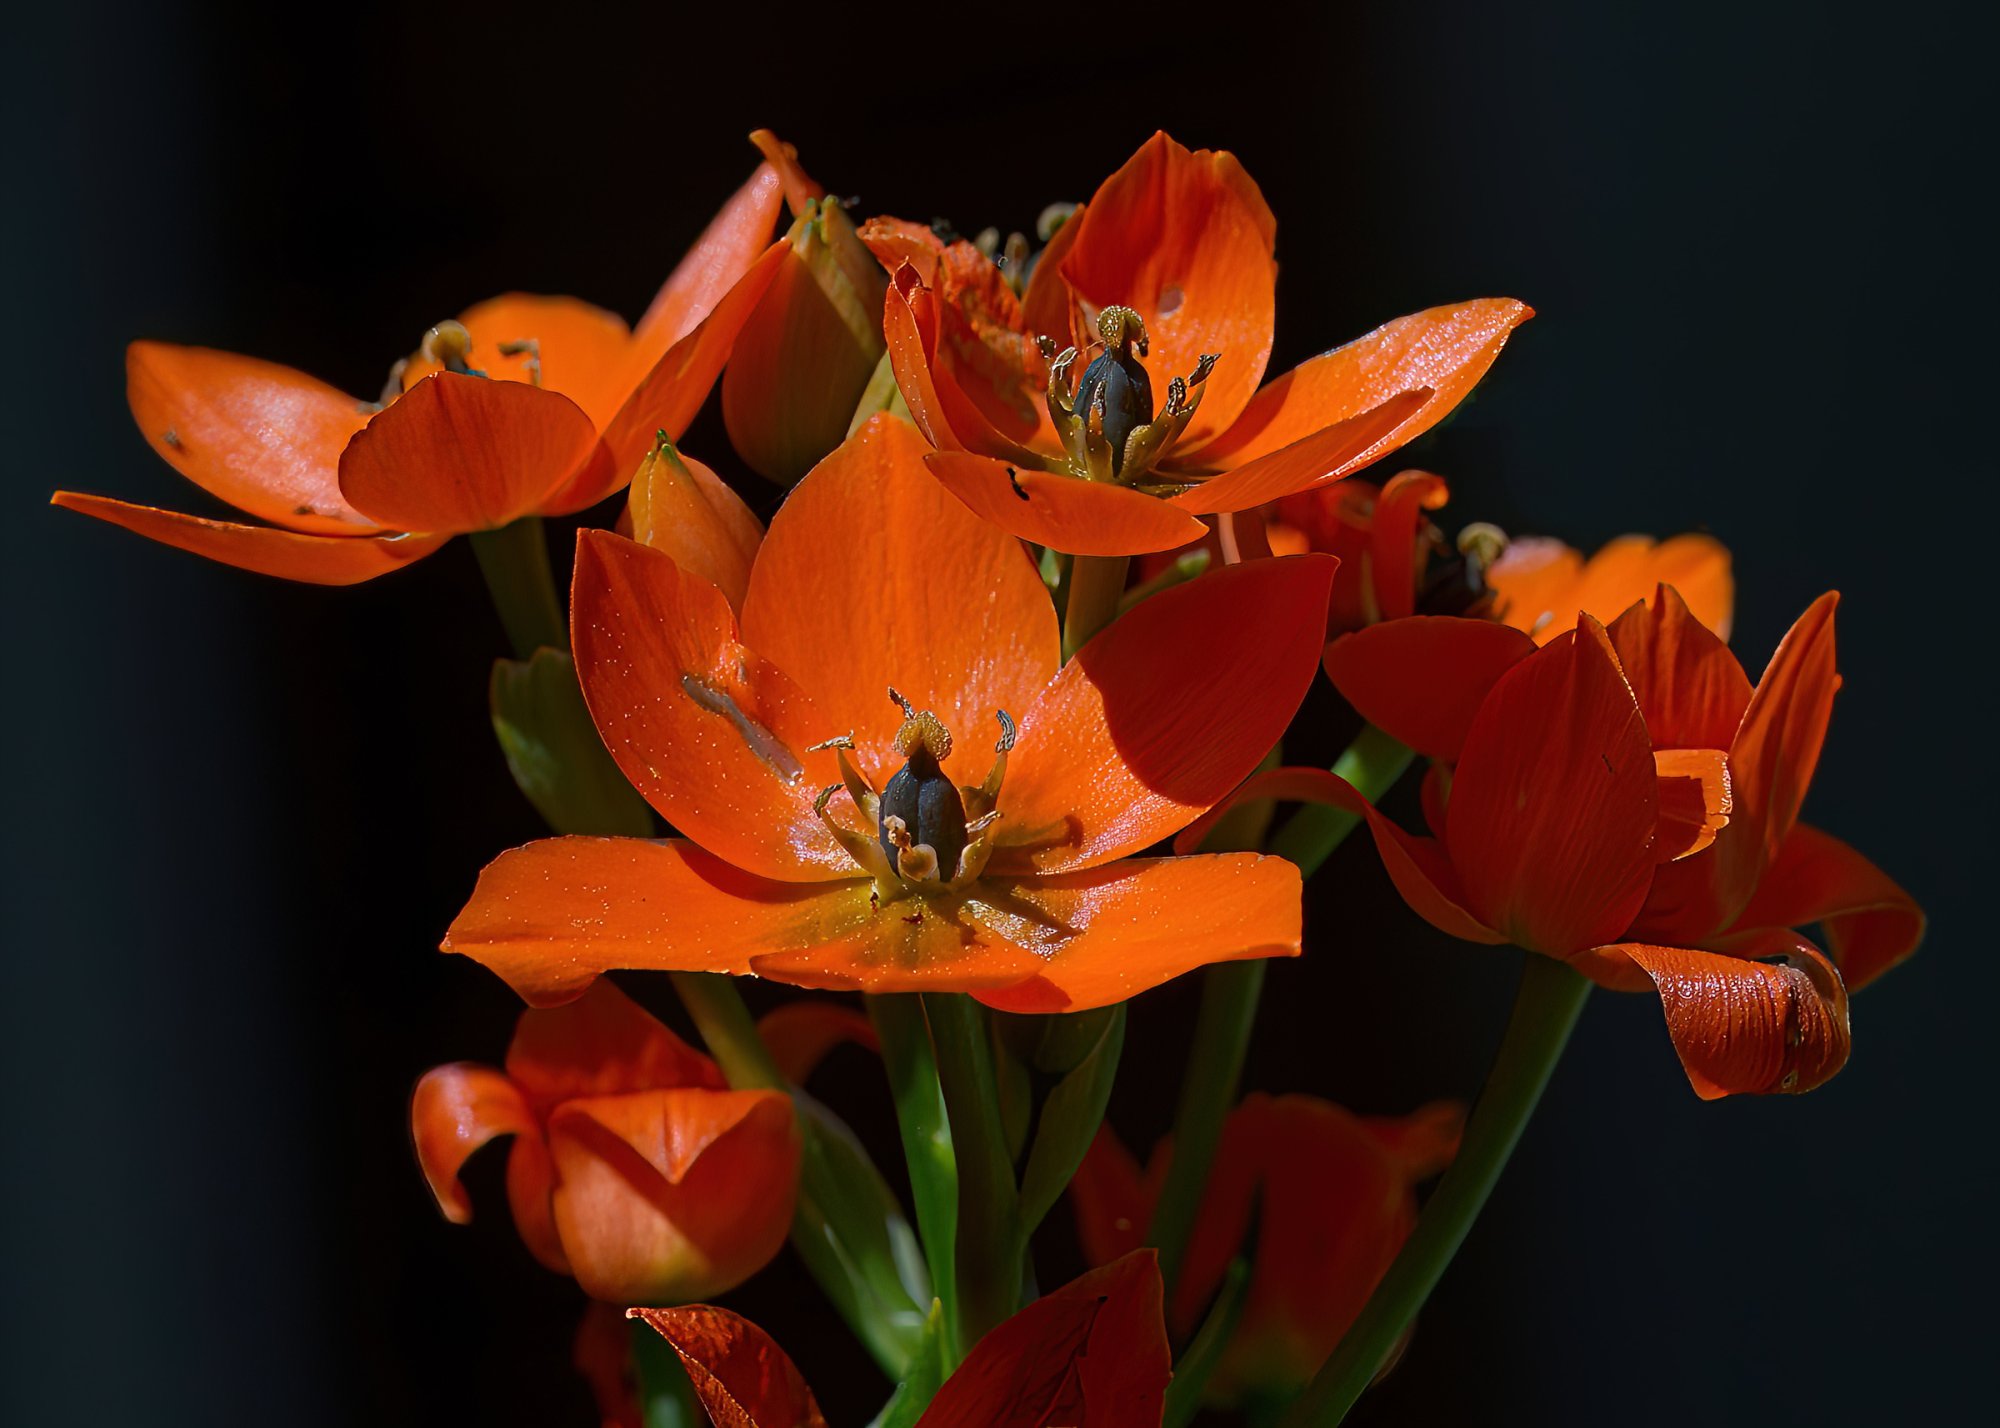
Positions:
{"x": 240, "y": 812}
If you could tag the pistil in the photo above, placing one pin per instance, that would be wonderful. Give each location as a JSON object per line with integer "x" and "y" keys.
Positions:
{"x": 1107, "y": 419}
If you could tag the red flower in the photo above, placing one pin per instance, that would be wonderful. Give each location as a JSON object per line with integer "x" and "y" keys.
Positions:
{"x": 1623, "y": 800}
{"x": 1332, "y": 1195}
{"x": 1168, "y": 274}
{"x": 523, "y": 406}
{"x": 1092, "y": 1354}
{"x": 836, "y": 839}
{"x": 633, "y": 1167}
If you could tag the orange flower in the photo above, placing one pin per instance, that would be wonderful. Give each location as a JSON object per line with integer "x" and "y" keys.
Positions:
{"x": 1167, "y": 272}
{"x": 1333, "y": 1198}
{"x": 1542, "y": 584}
{"x": 1092, "y": 1354}
{"x": 834, "y": 838}
{"x": 633, "y": 1167}
{"x": 523, "y": 406}
{"x": 1623, "y": 800}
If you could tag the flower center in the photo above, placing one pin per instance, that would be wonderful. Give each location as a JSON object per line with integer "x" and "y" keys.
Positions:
{"x": 1107, "y": 420}
{"x": 928, "y": 833}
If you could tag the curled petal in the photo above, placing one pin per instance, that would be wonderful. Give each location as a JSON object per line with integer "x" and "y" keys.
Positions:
{"x": 714, "y": 736}
{"x": 1161, "y": 715}
{"x": 460, "y": 453}
{"x": 1554, "y": 801}
{"x": 914, "y": 327}
{"x": 1063, "y": 512}
{"x": 1869, "y": 924}
{"x": 288, "y": 555}
{"x": 874, "y": 577}
{"x": 1446, "y": 349}
{"x": 1421, "y": 680}
{"x": 1108, "y": 933}
{"x": 601, "y": 1044}
{"x": 1313, "y": 460}
{"x": 265, "y": 438}
{"x": 743, "y": 1379}
{"x": 457, "y": 1109}
{"x": 1184, "y": 239}
{"x": 1771, "y": 1019}
{"x": 1393, "y": 536}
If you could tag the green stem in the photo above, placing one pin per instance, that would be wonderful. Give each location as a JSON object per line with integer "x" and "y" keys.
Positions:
{"x": 728, "y": 1030}
{"x": 926, "y": 1131}
{"x": 989, "y": 1250}
{"x": 1229, "y": 995}
{"x": 1197, "y": 1363}
{"x": 1545, "y": 1009}
{"x": 1096, "y": 585}
{"x": 515, "y": 561}
{"x": 666, "y": 1398}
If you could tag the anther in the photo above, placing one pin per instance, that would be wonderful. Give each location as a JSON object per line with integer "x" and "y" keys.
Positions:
{"x": 450, "y": 346}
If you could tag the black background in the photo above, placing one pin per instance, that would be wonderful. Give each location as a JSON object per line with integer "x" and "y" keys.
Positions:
{"x": 240, "y": 812}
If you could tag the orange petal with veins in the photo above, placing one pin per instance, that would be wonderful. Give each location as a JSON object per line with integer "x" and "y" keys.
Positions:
{"x": 741, "y": 1376}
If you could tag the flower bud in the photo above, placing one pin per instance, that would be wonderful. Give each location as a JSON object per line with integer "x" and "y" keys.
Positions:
{"x": 633, "y": 1167}
{"x": 801, "y": 362}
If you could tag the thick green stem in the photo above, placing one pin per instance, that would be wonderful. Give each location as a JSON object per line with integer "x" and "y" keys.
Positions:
{"x": 988, "y": 1255}
{"x": 926, "y": 1131}
{"x": 1096, "y": 585}
{"x": 515, "y": 561}
{"x": 1545, "y": 1009}
{"x": 1197, "y": 1363}
{"x": 1229, "y": 995}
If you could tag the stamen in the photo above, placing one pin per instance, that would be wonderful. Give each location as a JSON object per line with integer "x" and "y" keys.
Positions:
{"x": 532, "y": 346}
{"x": 450, "y": 346}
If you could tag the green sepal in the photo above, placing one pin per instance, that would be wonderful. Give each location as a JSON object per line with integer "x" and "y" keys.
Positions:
{"x": 928, "y": 1371}
{"x": 554, "y": 752}
{"x": 1069, "y": 1120}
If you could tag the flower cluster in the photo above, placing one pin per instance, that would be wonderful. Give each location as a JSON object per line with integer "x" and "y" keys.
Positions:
{"x": 980, "y": 735}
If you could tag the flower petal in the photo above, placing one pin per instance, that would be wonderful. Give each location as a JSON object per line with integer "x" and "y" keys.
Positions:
{"x": 1694, "y": 801}
{"x": 679, "y": 506}
{"x": 914, "y": 325}
{"x": 1691, "y": 689}
{"x": 1063, "y": 512}
{"x": 550, "y": 917}
{"x": 728, "y": 248}
{"x": 743, "y": 1379}
{"x": 1421, "y": 680}
{"x": 1446, "y": 349}
{"x": 1160, "y": 715}
{"x": 1869, "y": 924}
{"x": 264, "y": 438}
{"x": 1771, "y": 1019}
{"x": 1394, "y": 532}
{"x": 714, "y": 736}
{"x": 666, "y": 395}
{"x": 1185, "y": 240}
{"x": 601, "y": 1044}
{"x": 1554, "y": 801}
{"x": 1417, "y": 866}
{"x": 1313, "y": 460}
{"x": 455, "y": 1110}
{"x": 289, "y": 555}
{"x": 873, "y": 576}
{"x": 459, "y": 453}
{"x": 1542, "y": 584}
{"x": 1093, "y": 1353}
{"x": 579, "y": 350}
{"x": 1111, "y": 932}
{"x": 1111, "y": 1199}
{"x": 800, "y": 1034}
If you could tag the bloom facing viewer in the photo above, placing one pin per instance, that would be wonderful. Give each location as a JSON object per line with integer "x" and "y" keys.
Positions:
{"x": 523, "y": 406}
{"x": 1167, "y": 275}
{"x": 835, "y": 839}
{"x": 633, "y": 1168}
